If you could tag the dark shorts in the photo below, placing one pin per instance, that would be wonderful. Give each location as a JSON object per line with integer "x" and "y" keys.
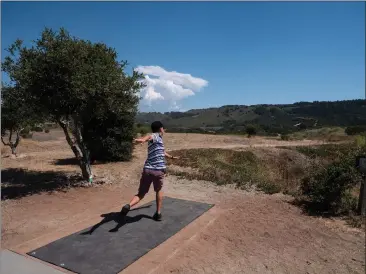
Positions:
{"x": 151, "y": 176}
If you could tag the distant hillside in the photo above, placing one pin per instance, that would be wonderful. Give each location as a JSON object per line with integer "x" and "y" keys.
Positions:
{"x": 267, "y": 118}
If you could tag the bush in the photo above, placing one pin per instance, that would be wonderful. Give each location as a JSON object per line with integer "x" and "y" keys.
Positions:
{"x": 354, "y": 130}
{"x": 37, "y": 129}
{"x": 49, "y": 125}
{"x": 360, "y": 141}
{"x": 251, "y": 130}
{"x": 143, "y": 131}
{"x": 302, "y": 126}
{"x": 25, "y": 130}
{"x": 28, "y": 135}
{"x": 328, "y": 189}
{"x": 260, "y": 110}
{"x": 285, "y": 137}
{"x": 331, "y": 152}
{"x": 269, "y": 188}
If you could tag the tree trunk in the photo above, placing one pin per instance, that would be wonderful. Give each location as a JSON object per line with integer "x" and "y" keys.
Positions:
{"x": 78, "y": 147}
{"x": 86, "y": 168}
{"x": 15, "y": 145}
{"x": 11, "y": 144}
{"x": 13, "y": 150}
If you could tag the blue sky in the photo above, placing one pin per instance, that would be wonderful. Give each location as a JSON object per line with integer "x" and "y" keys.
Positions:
{"x": 204, "y": 54}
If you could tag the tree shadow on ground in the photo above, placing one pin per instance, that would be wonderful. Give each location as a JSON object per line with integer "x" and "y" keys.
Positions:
{"x": 18, "y": 182}
{"x": 66, "y": 162}
{"x": 119, "y": 219}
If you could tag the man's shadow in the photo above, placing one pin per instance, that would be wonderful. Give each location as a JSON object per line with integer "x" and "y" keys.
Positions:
{"x": 119, "y": 219}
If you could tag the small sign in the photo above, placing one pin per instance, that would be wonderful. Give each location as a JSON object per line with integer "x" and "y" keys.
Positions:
{"x": 361, "y": 164}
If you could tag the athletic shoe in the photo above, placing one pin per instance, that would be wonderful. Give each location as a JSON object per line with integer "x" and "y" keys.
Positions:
{"x": 157, "y": 216}
{"x": 125, "y": 209}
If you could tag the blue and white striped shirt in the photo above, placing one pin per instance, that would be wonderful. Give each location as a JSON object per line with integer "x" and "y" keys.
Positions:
{"x": 156, "y": 154}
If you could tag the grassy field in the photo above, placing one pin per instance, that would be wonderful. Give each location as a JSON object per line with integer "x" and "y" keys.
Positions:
{"x": 271, "y": 170}
{"x": 245, "y": 169}
{"x": 328, "y": 134}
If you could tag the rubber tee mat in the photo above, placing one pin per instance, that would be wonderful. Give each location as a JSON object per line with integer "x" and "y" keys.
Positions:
{"x": 116, "y": 242}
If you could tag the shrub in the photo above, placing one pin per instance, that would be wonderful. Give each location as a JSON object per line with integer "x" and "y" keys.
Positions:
{"x": 260, "y": 110}
{"x": 269, "y": 188}
{"x": 329, "y": 151}
{"x": 28, "y": 135}
{"x": 302, "y": 126}
{"x": 143, "y": 131}
{"x": 355, "y": 221}
{"x": 328, "y": 189}
{"x": 360, "y": 141}
{"x": 354, "y": 130}
{"x": 37, "y": 129}
{"x": 251, "y": 130}
{"x": 25, "y": 130}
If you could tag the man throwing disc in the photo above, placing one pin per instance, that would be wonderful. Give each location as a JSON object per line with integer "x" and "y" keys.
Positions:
{"x": 154, "y": 169}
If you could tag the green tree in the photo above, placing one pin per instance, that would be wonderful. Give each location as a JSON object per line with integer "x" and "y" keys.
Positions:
{"x": 16, "y": 114}
{"x": 226, "y": 112}
{"x": 73, "y": 81}
{"x": 260, "y": 110}
{"x": 251, "y": 130}
{"x": 110, "y": 139}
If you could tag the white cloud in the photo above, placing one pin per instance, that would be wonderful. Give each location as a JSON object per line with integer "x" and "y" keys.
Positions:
{"x": 151, "y": 95}
{"x": 165, "y": 88}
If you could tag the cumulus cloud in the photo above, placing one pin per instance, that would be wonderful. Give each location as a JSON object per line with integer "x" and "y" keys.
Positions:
{"x": 166, "y": 88}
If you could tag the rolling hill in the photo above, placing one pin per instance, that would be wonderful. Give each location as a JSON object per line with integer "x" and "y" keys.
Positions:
{"x": 267, "y": 118}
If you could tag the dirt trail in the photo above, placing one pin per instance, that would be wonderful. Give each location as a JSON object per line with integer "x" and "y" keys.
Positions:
{"x": 247, "y": 232}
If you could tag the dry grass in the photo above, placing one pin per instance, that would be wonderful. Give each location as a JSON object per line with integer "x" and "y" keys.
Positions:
{"x": 222, "y": 166}
{"x": 285, "y": 167}
{"x": 5, "y": 149}
{"x": 356, "y": 221}
{"x": 327, "y": 134}
{"x": 270, "y": 170}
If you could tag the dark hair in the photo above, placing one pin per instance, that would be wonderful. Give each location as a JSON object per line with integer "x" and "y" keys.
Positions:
{"x": 156, "y": 126}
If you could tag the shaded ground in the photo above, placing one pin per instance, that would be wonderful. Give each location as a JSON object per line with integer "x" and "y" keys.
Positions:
{"x": 248, "y": 233}
{"x": 18, "y": 182}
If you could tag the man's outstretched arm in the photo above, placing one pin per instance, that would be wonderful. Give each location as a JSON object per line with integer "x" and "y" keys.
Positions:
{"x": 143, "y": 139}
{"x": 170, "y": 156}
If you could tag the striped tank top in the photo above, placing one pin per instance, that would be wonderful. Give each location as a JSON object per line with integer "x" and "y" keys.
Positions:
{"x": 155, "y": 153}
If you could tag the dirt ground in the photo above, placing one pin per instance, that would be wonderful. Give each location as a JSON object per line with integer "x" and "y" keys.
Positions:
{"x": 246, "y": 232}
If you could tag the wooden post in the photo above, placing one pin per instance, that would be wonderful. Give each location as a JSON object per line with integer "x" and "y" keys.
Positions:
{"x": 361, "y": 164}
{"x": 362, "y": 198}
